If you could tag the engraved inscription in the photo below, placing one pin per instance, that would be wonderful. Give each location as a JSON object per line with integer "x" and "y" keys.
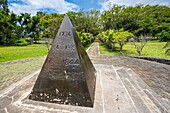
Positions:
{"x": 64, "y": 33}
{"x": 72, "y": 47}
{"x": 57, "y": 47}
{"x": 70, "y": 61}
{"x": 64, "y": 47}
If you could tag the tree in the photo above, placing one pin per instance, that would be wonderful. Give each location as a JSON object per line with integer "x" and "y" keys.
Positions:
{"x": 7, "y": 26}
{"x": 111, "y": 19}
{"x": 26, "y": 24}
{"x": 108, "y": 38}
{"x": 50, "y": 24}
{"x": 121, "y": 37}
{"x": 86, "y": 21}
{"x": 139, "y": 43}
{"x": 138, "y": 19}
{"x": 164, "y": 35}
{"x": 23, "y": 28}
{"x": 36, "y": 28}
{"x": 4, "y": 6}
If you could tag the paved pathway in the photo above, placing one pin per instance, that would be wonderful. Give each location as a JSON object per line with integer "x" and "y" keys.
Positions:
{"x": 118, "y": 90}
{"x": 156, "y": 75}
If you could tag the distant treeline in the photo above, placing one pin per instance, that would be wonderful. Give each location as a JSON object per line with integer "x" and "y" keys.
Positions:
{"x": 139, "y": 20}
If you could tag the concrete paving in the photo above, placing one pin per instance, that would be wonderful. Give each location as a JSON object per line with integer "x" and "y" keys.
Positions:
{"x": 155, "y": 75}
{"x": 118, "y": 90}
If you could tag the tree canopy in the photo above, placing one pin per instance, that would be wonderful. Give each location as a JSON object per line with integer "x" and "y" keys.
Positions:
{"x": 150, "y": 20}
{"x": 138, "y": 19}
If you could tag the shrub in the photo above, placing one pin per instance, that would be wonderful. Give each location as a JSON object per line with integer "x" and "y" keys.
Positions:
{"x": 85, "y": 38}
{"x": 27, "y": 40}
{"x": 21, "y": 42}
{"x": 163, "y": 36}
{"x": 167, "y": 47}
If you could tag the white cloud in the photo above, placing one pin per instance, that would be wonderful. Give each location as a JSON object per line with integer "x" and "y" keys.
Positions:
{"x": 105, "y": 3}
{"x": 32, "y": 6}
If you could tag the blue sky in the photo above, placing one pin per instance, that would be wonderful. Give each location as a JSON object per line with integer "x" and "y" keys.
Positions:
{"x": 63, "y": 6}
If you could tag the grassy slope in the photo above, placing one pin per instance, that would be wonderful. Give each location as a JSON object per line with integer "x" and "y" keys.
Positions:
{"x": 16, "y": 70}
{"x": 15, "y": 52}
{"x": 152, "y": 49}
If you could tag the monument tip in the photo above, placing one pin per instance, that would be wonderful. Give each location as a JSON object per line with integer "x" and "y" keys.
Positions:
{"x": 67, "y": 19}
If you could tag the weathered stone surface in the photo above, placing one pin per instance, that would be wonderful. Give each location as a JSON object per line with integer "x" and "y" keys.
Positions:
{"x": 67, "y": 76}
{"x": 6, "y": 101}
{"x": 155, "y": 75}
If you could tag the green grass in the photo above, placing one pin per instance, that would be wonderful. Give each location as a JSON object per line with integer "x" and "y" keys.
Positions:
{"x": 151, "y": 49}
{"x": 9, "y": 53}
{"x": 87, "y": 46}
{"x": 12, "y": 71}
{"x": 16, "y": 52}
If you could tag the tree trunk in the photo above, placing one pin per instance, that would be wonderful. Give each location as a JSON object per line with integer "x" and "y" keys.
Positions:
{"x": 121, "y": 47}
{"x": 113, "y": 47}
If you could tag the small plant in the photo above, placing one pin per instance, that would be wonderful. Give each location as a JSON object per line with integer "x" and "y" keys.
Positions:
{"x": 139, "y": 43}
{"x": 29, "y": 40}
{"x": 47, "y": 42}
{"x": 21, "y": 42}
{"x": 167, "y": 47}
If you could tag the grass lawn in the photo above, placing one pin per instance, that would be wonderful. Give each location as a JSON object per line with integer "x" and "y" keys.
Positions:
{"x": 10, "y": 72}
{"x": 151, "y": 49}
{"x": 15, "y": 52}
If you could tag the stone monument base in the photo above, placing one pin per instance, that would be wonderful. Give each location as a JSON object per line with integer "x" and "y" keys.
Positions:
{"x": 65, "y": 95}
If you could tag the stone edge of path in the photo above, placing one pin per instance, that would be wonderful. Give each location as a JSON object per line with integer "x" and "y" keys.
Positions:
{"x": 158, "y": 60}
{"x": 89, "y": 47}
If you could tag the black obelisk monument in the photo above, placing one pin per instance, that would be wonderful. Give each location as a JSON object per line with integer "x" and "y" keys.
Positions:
{"x": 67, "y": 76}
